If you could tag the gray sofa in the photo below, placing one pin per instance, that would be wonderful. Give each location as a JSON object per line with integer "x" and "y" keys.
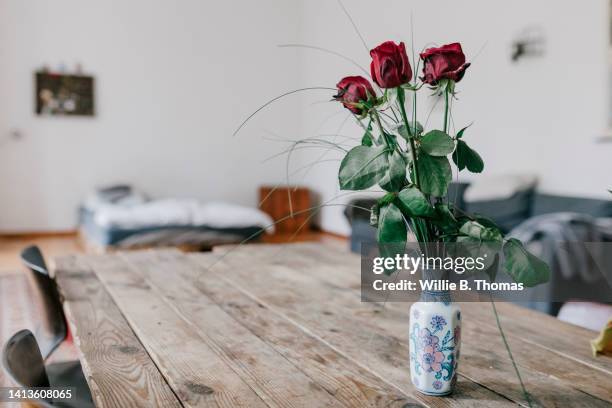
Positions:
{"x": 508, "y": 213}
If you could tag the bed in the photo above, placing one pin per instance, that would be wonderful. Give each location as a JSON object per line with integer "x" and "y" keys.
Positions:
{"x": 119, "y": 217}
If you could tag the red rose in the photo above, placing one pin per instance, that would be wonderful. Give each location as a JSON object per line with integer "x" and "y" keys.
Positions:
{"x": 390, "y": 67}
{"x": 446, "y": 62}
{"x": 352, "y": 91}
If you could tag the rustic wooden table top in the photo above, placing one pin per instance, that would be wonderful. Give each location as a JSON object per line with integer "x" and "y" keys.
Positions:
{"x": 283, "y": 325}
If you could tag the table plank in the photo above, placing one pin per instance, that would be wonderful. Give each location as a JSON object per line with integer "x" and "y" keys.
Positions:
{"x": 118, "y": 369}
{"x": 349, "y": 328}
{"x": 277, "y": 357}
{"x": 544, "y": 332}
{"x": 278, "y": 381}
{"x": 538, "y": 329}
{"x": 195, "y": 372}
{"x": 540, "y": 382}
{"x": 572, "y": 342}
{"x": 16, "y": 312}
{"x": 536, "y": 339}
{"x": 284, "y": 326}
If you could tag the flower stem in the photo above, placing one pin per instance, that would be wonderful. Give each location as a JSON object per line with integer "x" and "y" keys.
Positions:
{"x": 446, "y": 109}
{"x": 376, "y": 117}
{"x": 421, "y": 230}
{"x": 414, "y": 111}
{"x": 401, "y": 99}
{"x": 503, "y": 336}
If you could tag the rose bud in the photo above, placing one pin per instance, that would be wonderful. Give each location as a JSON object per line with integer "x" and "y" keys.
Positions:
{"x": 446, "y": 62}
{"x": 353, "y": 91}
{"x": 390, "y": 67}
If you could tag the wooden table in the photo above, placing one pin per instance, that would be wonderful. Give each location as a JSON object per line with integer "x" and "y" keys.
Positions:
{"x": 283, "y": 325}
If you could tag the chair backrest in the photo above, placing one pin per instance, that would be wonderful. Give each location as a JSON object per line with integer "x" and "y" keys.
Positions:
{"x": 53, "y": 329}
{"x": 23, "y": 362}
{"x": 33, "y": 259}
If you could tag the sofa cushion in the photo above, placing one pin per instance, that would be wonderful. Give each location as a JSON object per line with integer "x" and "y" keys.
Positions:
{"x": 548, "y": 203}
{"x": 507, "y": 213}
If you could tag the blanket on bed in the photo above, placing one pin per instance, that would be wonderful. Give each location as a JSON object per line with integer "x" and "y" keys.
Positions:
{"x": 181, "y": 212}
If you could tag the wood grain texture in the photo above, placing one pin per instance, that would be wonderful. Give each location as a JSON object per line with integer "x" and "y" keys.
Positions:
{"x": 284, "y": 326}
{"x": 276, "y": 380}
{"x": 547, "y": 336}
{"x": 118, "y": 369}
{"x": 349, "y": 327}
{"x": 567, "y": 384}
{"x": 541, "y": 343}
{"x": 537, "y": 339}
{"x": 16, "y": 312}
{"x": 196, "y": 373}
{"x": 280, "y": 361}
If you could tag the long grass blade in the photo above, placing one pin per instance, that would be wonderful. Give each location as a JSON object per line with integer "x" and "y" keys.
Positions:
{"x": 328, "y": 51}
{"x": 276, "y": 99}
{"x": 354, "y": 25}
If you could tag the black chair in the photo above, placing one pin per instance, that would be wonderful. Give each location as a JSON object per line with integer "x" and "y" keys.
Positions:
{"x": 23, "y": 362}
{"x": 53, "y": 329}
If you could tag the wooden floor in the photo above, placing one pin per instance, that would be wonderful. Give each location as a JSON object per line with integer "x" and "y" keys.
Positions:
{"x": 53, "y": 245}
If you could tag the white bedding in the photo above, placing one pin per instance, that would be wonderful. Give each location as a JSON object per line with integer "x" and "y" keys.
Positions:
{"x": 226, "y": 215}
{"x": 181, "y": 212}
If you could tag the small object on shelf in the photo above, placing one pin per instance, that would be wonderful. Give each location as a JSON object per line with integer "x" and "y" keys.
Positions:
{"x": 288, "y": 206}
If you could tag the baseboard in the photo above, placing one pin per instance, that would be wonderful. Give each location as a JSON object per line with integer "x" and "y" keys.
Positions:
{"x": 38, "y": 234}
{"x": 331, "y": 234}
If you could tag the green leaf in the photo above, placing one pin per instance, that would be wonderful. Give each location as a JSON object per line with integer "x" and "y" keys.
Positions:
{"x": 392, "y": 227}
{"x": 368, "y": 138}
{"x": 464, "y": 157}
{"x": 413, "y": 203}
{"x": 460, "y": 133}
{"x": 523, "y": 266}
{"x": 434, "y": 174}
{"x": 386, "y": 199}
{"x": 390, "y": 95}
{"x": 391, "y": 232}
{"x": 395, "y": 176}
{"x": 478, "y": 231}
{"x": 403, "y": 131}
{"x": 437, "y": 143}
{"x": 362, "y": 167}
{"x": 486, "y": 221}
{"x": 481, "y": 241}
{"x": 389, "y": 140}
{"x": 419, "y": 127}
{"x": 476, "y": 248}
{"x": 444, "y": 219}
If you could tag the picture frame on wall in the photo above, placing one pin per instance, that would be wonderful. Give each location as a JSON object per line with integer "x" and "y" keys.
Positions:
{"x": 64, "y": 95}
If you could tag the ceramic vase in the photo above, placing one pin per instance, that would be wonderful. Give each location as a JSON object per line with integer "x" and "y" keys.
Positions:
{"x": 435, "y": 340}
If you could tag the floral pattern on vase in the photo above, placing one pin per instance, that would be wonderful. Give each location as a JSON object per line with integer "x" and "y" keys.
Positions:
{"x": 435, "y": 335}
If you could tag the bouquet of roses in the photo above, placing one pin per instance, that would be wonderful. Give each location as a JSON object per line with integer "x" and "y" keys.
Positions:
{"x": 412, "y": 163}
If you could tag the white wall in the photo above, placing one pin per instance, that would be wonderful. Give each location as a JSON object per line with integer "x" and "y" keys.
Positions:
{"x": 540, "y": 115}
{"x": 174, "y": 78}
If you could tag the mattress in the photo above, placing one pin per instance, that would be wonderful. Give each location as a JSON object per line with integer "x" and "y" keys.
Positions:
{"x": 166, "y": 235}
